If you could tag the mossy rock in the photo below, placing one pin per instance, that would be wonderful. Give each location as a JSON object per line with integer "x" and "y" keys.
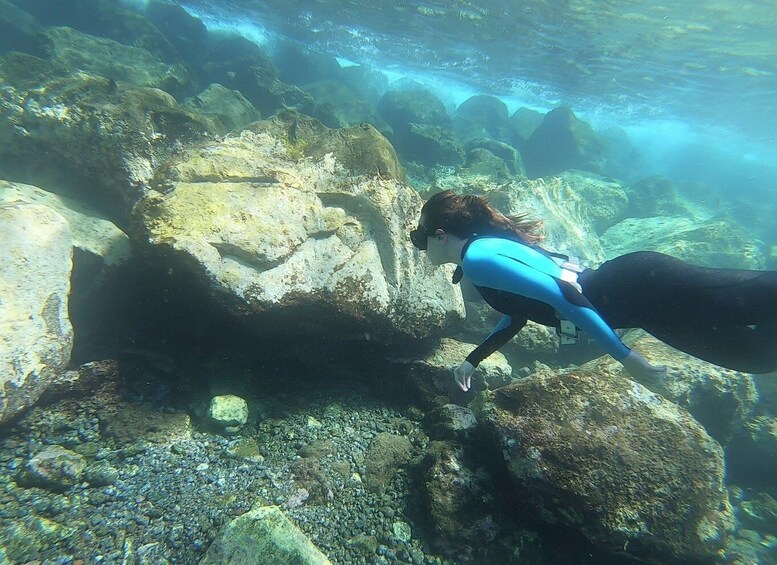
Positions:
{"x": 361, "y": 149}
{"x": 620, "y": 464}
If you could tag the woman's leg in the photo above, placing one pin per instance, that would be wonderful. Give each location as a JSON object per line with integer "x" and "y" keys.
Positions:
{"x": 725, "y": 316}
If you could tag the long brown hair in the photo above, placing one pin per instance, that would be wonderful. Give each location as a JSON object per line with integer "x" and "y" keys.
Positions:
{"x": 468, "y": 215}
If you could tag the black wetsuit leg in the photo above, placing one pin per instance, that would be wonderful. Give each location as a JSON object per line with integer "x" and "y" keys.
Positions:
{"x": 724, "y": 316}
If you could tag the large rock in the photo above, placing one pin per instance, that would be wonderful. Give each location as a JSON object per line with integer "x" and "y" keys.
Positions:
{"x": 338, "y": 106}
{"x": 751, "y": 455}
{"x": 302, "y": 226}
{"x": 386, "y": 454}
{"x": 185, "y": 32}
{"x": 36, "y": 337}
{"x": 631, "y": 471}
{"x": 103, "y": 18}
{"x": 91, "y": 233}
{"x": 560, "y": 143}
{"x": 107, "y": 58}
{"x": 721, "y": 400}
{"x": 574, "y": 208}
{"x": 507, "y": 153}
{"x": 482, "y": 116}
{"x": 523, "y": 122}
{"x": 709, "y": 242}
{"x": 429, "y": 145}
{"x": 263, "y": 535}
{"x": 400, "y": 108}
{"x": 100, "y": 139}
{"x": 54, "y": 468}
{"x": 459, "y": 502}
{"x": 431, "y": 373}
{"x": 20, "y": 32}
{"x": 228, "y": 107}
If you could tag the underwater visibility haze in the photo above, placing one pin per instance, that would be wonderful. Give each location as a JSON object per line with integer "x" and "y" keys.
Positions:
{"x": 228, "y": 334}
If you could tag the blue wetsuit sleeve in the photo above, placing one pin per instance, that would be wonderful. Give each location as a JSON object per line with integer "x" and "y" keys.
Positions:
{"x": 503, "y": 332}
{"x": 502, "y": 265}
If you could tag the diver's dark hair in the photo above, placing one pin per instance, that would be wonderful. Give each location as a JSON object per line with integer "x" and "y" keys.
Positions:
{"x": 465, "y": 216}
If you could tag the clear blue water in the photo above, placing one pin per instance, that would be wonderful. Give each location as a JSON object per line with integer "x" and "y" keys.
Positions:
{"x": 694, "y": 83}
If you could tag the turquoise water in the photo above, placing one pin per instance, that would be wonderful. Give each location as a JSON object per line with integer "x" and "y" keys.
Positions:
{"x": 693, "y": 83}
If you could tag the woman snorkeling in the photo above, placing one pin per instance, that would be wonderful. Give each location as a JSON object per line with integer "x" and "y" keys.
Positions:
{"x": 725, "y": 316}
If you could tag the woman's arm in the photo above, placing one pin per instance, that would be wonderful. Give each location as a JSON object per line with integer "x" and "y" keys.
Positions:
{"x": 512, "y": 267}
{"x": 502, "y": 333}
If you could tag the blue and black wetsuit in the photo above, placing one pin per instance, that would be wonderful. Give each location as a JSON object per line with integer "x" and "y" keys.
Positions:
{"x": 725, "y": 316}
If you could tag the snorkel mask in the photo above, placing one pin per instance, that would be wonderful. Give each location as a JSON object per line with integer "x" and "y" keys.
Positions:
{"x": 419, "y": 238}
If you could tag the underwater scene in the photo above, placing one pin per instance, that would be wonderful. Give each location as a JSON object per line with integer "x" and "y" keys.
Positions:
{"x": 373, "y": 282}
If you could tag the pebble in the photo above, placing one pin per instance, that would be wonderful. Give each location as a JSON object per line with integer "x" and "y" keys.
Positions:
{"x": 180, "y": 496}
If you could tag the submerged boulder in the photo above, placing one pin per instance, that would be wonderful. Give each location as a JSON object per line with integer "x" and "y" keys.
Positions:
{"x": 560, "y": 143}
{"x": 523, "y": 122}
{"x": 263, "y": 535}
{"x": 710, "y": 242}
{"x": 574, "y": 207}
{"x": 54, "y": 468}
{"x": 91, "y": 234}
{"x": 99, "y": 139}
{"x": 431, "y": 373}
{"x": 751, "y": 455}
{"x": 36, "y": 337}
{"x": 400, "y": 108}
{"x": 632, "y": 472}
{"x": 482, "y": 116}
{"x": 720, "y": 399}
{"x": 458, "y": 499}
{"x": 113, "y": 60}
{"x": 507, "y": 153}
{"x": 338, "y": 106}
{"x": 103, "y": 18}
{"x": 302, "y": 227}
{"x": 20, "y": 32}
{"x": 227, "y": 107}
{"x": 429, "y": 145}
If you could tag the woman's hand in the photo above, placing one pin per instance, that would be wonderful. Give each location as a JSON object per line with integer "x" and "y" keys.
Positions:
{"x": 463, "y": 375}
{"x": 638, "y": 368}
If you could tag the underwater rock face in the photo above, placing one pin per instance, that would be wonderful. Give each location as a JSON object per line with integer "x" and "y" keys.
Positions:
{"x": 706, "y": 242}
{"x": 91, "y": 233}
{"x": 102, "y": 138}
{"x": 263, "y": 535}
{"x": 507, "y": 153}
{"x": 458, "y": 501}
{"x": 560, "y": 143}
{"x": 482, "y": 116}
{"x": 20, "y": 32}
{"x": 720, "y": 399}
{"x": 574, "y": 208}
{"x": 451, "y": 421}
{"x": 400, "y": 108}
{"x": 751, "y": 456}
{"x": 606, "y": 456}
{"x": 103, "y": 18}
{"x": 72, "y": 49}
{"x": 429, "y": 145}
{"x": 36, "y": 337}
{"x": 305, "y": 226}
{"x": 228, "y": 107}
